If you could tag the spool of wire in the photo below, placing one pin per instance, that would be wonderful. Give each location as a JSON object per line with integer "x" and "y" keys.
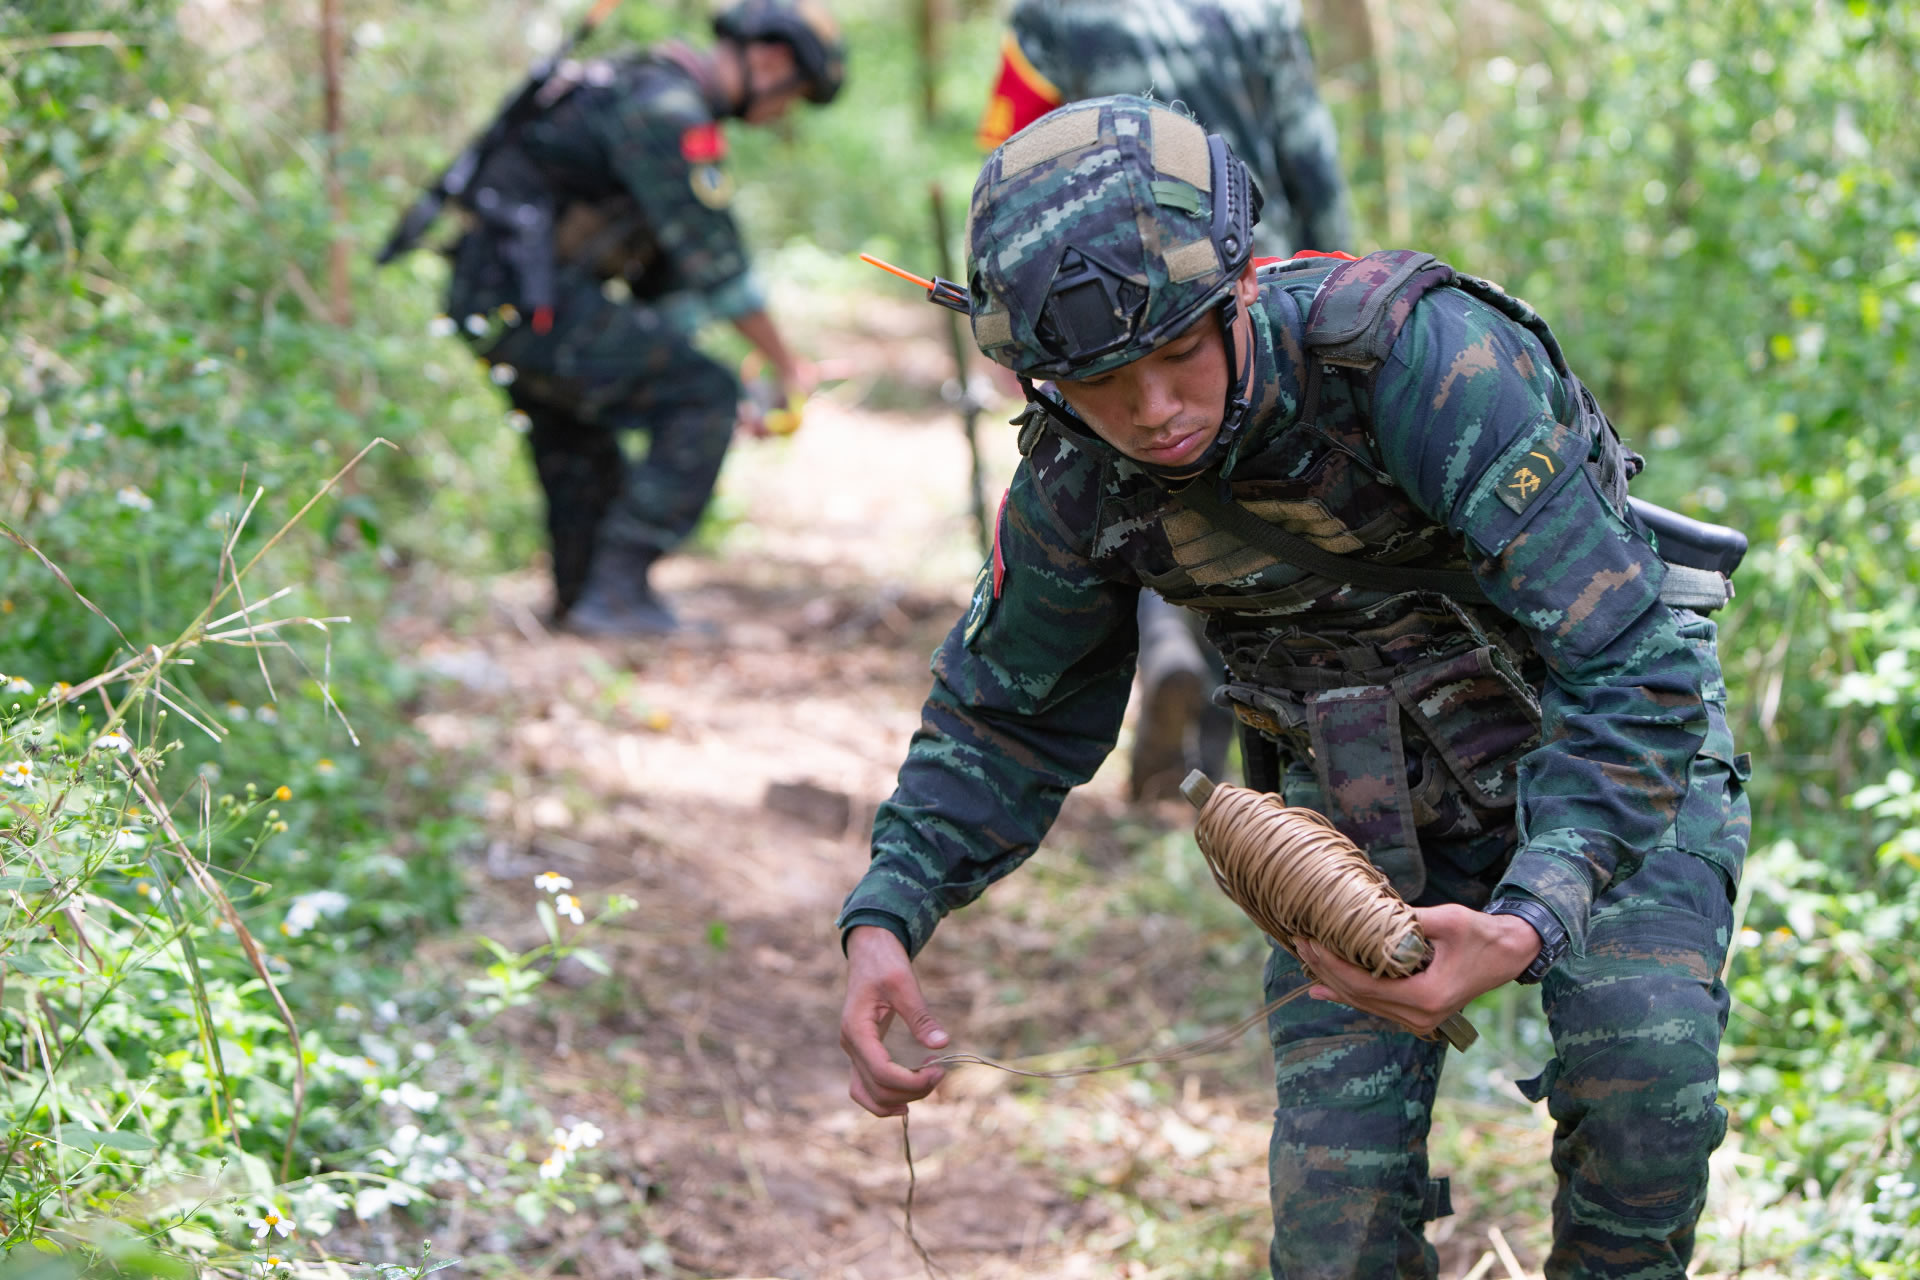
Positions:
{"x": 1296, "y": 876}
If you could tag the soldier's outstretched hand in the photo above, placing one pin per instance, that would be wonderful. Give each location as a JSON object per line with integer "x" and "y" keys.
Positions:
{"x": 880, "y": 984}
{"x": 1472, "y": 954}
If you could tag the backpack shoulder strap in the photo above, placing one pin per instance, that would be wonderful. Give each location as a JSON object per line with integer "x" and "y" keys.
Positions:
{"x": 1361, "y": 306}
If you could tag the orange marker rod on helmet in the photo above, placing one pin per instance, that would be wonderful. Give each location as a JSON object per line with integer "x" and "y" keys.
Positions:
{"x": 945, "y": 292}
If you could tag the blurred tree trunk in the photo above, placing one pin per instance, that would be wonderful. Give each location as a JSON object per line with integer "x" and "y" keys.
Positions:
{"x": 339, "y": 297}
{"x": 926, "y": 23}
{"x": 1356, "y": 44}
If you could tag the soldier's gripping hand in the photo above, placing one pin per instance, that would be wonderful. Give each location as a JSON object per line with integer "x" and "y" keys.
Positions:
{"x": 1472, "y": 954}
{"x": 880, "y": 984}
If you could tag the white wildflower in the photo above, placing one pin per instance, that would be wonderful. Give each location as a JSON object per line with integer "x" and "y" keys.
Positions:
{"x": 584, "y": 1134}
{"x": 442, "y": 327}
{"x": 18, "y": 684}
{"x": 370, "y": 1202}
{"x": 569, "y": 906}
{"x": 131, "y": 497}
{"x": 411, "y": 1096}
{"x": 519, "y": 423}
{"x": 58, "y": 691}
{"x": 237, "y": 711}
{"x": 115, "y": 741}
{"x": 129, "y": 838}
{"x": 503, "y": 375}
{"x": 17, "y": 774}
{"x": 308, "y": 908}
{"x": 92, "y": 431}
{"x": 554, "y": 1165}
{"x": 476, "y": 324}
{"x": 271, "y": 1220}
{"x": 206, "y": 365}
{"x": 552, "y": 882}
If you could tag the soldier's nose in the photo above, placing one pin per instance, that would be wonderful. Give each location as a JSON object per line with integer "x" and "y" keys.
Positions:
{"x": 1154, "y": 405}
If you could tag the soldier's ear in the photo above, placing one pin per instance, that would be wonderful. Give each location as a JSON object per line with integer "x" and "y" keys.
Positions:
{"x": 1246, "y": 288}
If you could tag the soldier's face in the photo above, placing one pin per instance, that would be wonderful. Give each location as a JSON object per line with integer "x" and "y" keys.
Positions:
{"x": 1165, "y": 408}
{"x": 774, "y": 78}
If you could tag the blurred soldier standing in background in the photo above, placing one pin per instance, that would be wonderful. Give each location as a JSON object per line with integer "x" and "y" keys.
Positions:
{"x": 599, "y": 239}
{"x": 1242, "y": 68}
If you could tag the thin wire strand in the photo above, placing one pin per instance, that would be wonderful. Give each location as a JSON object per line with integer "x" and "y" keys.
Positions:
{"x": 1213, "y": 1042}
{"x": 1296, "y": 877}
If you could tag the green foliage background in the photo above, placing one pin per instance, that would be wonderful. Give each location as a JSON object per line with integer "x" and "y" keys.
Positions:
{"x": 1714, "y": 201}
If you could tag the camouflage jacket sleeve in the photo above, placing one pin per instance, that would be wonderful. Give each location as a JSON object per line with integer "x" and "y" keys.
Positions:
{"x": 668, "y": 152}
{"x": 1028, "y": 692}
{"x": 1470, "y": 418}
{"x": 1305, "y": 143}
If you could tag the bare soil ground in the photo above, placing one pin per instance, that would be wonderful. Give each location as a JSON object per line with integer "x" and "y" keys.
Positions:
{"x": 725, "y": 779}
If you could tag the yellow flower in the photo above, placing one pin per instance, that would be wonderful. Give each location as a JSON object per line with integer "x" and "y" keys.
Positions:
{"x": 283, "y": 792}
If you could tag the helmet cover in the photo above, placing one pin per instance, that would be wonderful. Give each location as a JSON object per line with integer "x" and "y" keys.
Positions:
{"x": 1101, "y": 231}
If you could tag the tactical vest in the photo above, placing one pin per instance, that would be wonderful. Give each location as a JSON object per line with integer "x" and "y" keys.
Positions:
{"x": 1410, "y": 700}
{"x": 529, "y": 214}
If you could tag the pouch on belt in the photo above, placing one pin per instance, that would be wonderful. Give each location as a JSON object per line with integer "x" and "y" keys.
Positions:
{"x": 1359, "y": 759}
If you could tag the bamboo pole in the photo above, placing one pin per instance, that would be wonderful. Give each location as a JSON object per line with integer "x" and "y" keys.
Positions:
{"x": 339, "y": 295}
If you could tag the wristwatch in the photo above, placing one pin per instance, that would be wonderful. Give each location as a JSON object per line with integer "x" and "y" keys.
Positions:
{"x": 1553, "y": 938}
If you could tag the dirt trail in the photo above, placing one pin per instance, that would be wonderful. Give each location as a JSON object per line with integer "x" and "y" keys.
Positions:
{"x": 710, "y": 1059}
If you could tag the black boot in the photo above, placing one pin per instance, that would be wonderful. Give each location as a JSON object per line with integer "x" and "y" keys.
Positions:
{"x": 617, "y": 599}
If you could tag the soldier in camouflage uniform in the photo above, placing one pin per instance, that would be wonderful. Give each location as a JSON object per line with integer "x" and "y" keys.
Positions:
{"x": 1406, "y": 524}
{"x": 1242, "y": 68}
{"x": 601, "y": 237}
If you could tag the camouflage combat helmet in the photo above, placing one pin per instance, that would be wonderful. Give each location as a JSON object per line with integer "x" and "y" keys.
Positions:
{"x": 1102, "y": 231}
{"x": 804, "y": 26}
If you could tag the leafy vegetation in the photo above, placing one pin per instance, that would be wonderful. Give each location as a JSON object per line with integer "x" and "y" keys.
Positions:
{"x": 1713, "y": 202}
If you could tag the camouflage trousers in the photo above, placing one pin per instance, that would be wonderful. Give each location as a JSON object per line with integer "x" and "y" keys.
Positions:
{"x": 605, "y": 370}
{"x": 1636, "y": 1025}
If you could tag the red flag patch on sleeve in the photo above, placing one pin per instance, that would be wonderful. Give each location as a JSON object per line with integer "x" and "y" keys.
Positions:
{"x": 703, "y": 144}
{"x": 1020, "y": 96}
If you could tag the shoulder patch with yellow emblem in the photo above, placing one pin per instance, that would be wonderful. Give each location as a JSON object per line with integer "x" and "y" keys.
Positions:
{"x": 1529, "y": 472}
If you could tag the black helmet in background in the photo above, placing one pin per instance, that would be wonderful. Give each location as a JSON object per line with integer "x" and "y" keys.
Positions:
{"x": 804, "y": 26}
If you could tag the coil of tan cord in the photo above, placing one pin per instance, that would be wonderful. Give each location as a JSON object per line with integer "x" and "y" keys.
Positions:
{"x": 1297, "y": 877}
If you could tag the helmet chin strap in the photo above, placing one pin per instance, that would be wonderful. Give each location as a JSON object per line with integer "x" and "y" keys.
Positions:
{"x": 1233, "y": 414}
